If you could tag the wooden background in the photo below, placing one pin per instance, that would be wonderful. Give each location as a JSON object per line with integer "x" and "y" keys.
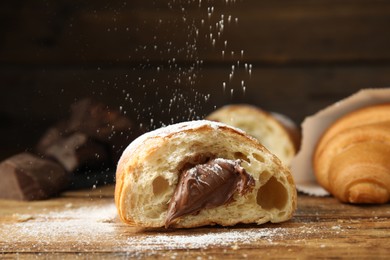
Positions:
{"x": 156, "y": 60}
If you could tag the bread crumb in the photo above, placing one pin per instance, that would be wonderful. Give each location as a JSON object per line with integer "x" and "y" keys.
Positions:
{"x": 69, "y": 205}
{"x": 235, "y": 247}
{"x": 22, "y": 217}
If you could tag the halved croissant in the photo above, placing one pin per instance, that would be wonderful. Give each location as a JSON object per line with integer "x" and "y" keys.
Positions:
{"x": 352, "y": 159}
{"x": 179, "y": 176}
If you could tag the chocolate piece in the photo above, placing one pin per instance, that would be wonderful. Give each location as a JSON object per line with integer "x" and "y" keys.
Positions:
{"x": 98, "y": 122}
{"x": 106, "y": 125}
{"x": 208, "y": 186}
{"x": 89, "y": 142}
{"x": 95, "y": 120}
{"x": 28, "y": 177}
{"x": 78, "y": 152}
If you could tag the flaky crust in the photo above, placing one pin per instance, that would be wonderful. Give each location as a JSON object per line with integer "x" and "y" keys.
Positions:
{"x": 149, "y": 169}
{"x": 276, "y": 132}
{"x": 351, "y": 159}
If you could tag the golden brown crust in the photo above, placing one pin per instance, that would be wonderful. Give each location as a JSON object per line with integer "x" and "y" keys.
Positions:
{"x": 363, "y": 116}
{"x": 342, "y": 163}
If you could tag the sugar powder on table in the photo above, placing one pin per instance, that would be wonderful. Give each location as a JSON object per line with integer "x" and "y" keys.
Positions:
{"x": 95, "y": 224}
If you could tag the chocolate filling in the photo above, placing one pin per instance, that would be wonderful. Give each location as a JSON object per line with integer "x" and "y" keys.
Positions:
{"x": 206, "y": 186}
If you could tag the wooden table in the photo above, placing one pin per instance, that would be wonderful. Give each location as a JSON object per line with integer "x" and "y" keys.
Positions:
{"x": 81, "y": 224}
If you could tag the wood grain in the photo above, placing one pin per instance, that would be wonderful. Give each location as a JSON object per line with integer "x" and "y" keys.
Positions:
{"x": 321, "y": 227}
{"x": 276, "y": 32}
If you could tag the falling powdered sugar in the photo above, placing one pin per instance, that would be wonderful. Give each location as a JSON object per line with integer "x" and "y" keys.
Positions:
{"x": 166, "y": 82}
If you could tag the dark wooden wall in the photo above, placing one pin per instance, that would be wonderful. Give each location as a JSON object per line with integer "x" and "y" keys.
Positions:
{"x": 147, "y": 58}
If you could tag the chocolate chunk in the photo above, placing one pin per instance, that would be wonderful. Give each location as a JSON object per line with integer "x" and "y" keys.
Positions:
{"x": 28, "y": 177}
{"x": 89, "y": 142}
{"x": 106, "y": 125}
{"x": 208, "y": 186}
{"x": 95, "y": 120}
{"x": 78, "y": 152}
{"x": 87, "y": 159}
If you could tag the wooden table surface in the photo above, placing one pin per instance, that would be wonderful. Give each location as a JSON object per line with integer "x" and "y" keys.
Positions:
{"x": 84, "y": 224}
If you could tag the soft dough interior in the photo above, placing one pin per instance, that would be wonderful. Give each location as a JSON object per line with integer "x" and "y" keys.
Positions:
{"x": 153, "y": 181}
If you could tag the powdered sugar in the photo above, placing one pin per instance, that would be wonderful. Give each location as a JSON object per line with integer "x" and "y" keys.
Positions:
{"x": 224, "y": 238}
{"x": 85, "y": 226}
{"x": 81, "y": 223}
{"x": 176, "y": 128}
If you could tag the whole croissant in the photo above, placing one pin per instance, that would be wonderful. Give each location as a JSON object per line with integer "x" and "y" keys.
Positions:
{"x": 352, "y": 158}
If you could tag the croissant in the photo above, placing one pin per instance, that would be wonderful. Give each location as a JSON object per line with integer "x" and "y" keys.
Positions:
{"x": 200, "y": 173}
{"x": 352, "y": 158}
{"x": 276, "y": 132}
